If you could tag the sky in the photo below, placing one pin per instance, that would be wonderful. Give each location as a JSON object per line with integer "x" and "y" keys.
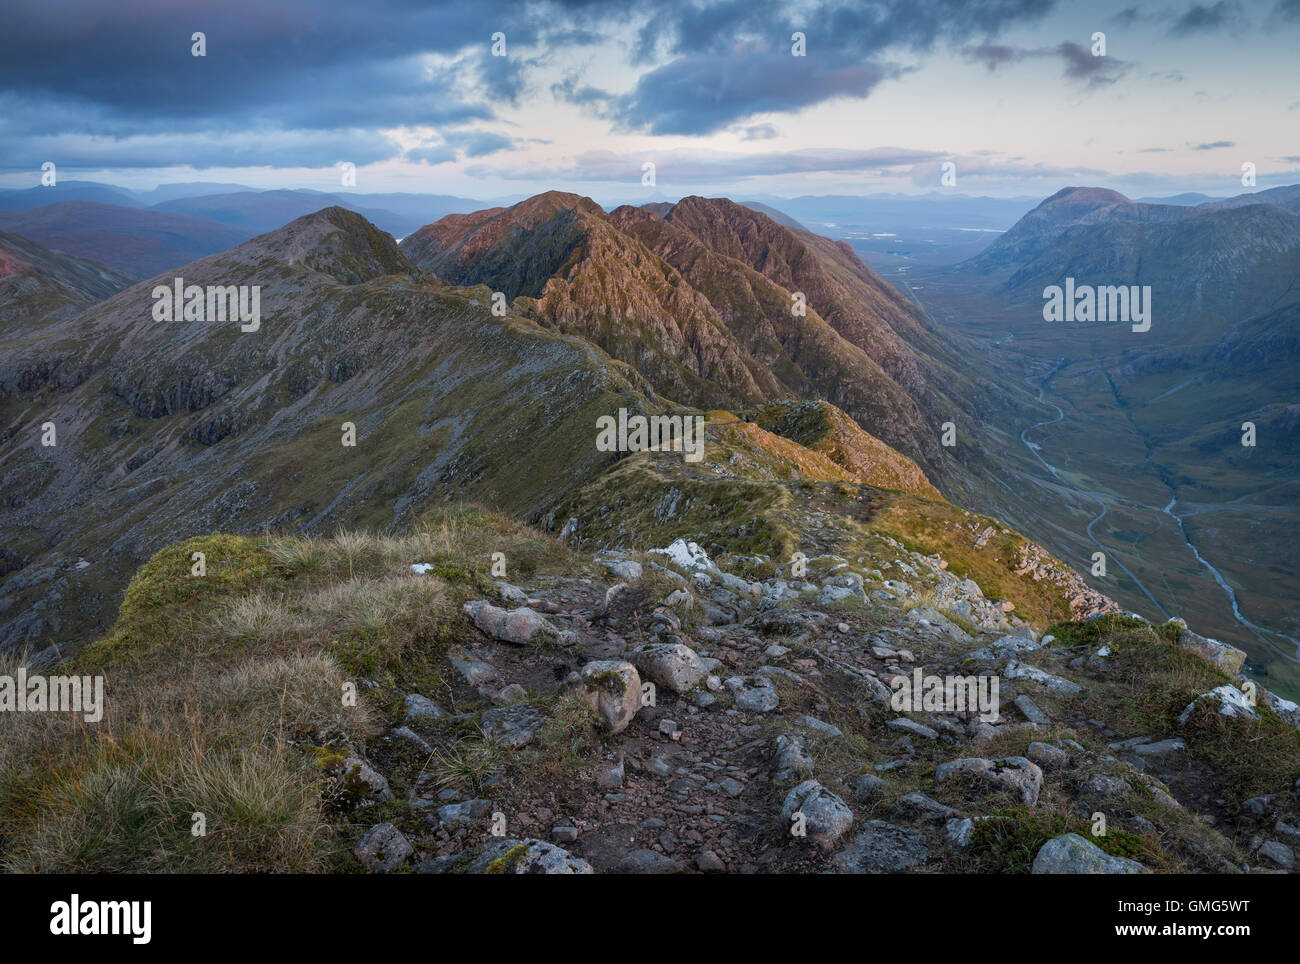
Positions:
{"x": 487, "y": 99}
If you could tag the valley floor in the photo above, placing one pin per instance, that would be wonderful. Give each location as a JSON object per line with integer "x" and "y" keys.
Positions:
{"x": 1094, "y": 479}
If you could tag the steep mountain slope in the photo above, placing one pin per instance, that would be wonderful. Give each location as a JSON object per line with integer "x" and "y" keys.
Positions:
{"x": 138, "y": 242}
{"x": 36, "y": 283}
{"x": 1141, "y": 449}
{"x": 166, "y": 428}
{"x": 825, "y": 429}
{"x": 699, "y": 298}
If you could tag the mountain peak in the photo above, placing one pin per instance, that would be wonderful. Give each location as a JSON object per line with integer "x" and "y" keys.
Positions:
{"x": 334, "y": 241}
{"x": 1090, "y": 196}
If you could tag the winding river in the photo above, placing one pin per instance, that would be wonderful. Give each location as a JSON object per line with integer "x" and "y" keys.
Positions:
{"x": 1168, "y": 510}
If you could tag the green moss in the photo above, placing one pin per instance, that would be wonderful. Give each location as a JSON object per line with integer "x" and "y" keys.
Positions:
{"x": 164, "y": 599}
{"x": 1091, "y": 632}
{"x": 326, "y": 757}
{"x": 507, "y": 862}
{"x": 608, "y": 680}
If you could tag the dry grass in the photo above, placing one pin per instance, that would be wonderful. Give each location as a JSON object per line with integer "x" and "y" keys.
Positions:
{"x": 213, "y": 683}
{"x": 121, "y": 794}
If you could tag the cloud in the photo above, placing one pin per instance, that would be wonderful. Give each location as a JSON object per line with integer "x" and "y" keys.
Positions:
{"x": 738, "y": 53}
{"x": 202, "y": 150}
{"x": 668, "y": 100}
{"x": 994, "y": 56}
{"x": 1214, "y": 145}
{"x": 1080, "y": 64}
{"x": 1225, "y": 16}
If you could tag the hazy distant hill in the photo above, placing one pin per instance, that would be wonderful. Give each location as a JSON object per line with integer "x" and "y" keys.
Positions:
{"x": 1207, "y": 265}
{"x": 18, "y": 200}
{"x": 37, "y": 284}
{"x": 137, "y": 241}
{"x": 259, "y": 211}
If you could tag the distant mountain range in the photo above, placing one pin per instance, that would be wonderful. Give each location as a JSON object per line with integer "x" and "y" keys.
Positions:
{"x": 1222, "y": 259}
{"x": 136, "y": 241}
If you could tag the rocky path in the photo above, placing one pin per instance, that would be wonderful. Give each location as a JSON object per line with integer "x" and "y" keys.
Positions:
{"x": 755, "y": 726}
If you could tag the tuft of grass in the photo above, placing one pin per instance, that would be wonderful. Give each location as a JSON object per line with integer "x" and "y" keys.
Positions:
{"x": 1009, "y": 839}
{"x": 467, "y": 763}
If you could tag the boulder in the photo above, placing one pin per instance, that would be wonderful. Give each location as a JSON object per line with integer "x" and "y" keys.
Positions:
{"x": 520, "y": 626}
{"x": 1230, "y": 702}
{"x": 826, "y": 817}
{"x": 792, "y": 758}
{"x": 1005, "y": 646}
{"x": 512, "y": 726}
{"x": 1056, "y": 684}
{"x": 612, "y": 687}
{"x": 382, "y": 849}
{"x": 882, "y": 847}
{"x": 1072, "y": 854}
{"x": 674, "y": 666}
{"x": 688, "y": 555}
{"x": 526, "y": 857}
{"x": 755, "y": 694}
{"x": 1227, "y": 658}
{"x": 1014, "y": 774}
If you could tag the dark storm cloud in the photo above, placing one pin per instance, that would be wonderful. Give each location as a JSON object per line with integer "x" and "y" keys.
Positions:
{"x": 732, "y": 59}
{"x": 124, "y": 70}
{"x": 1081, "y": 64}
{"x": 668, "y": 100}
{"x": 1221, "y": 17}
{"x": 338, "y": 72}
{"x": 134, "y": 59}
